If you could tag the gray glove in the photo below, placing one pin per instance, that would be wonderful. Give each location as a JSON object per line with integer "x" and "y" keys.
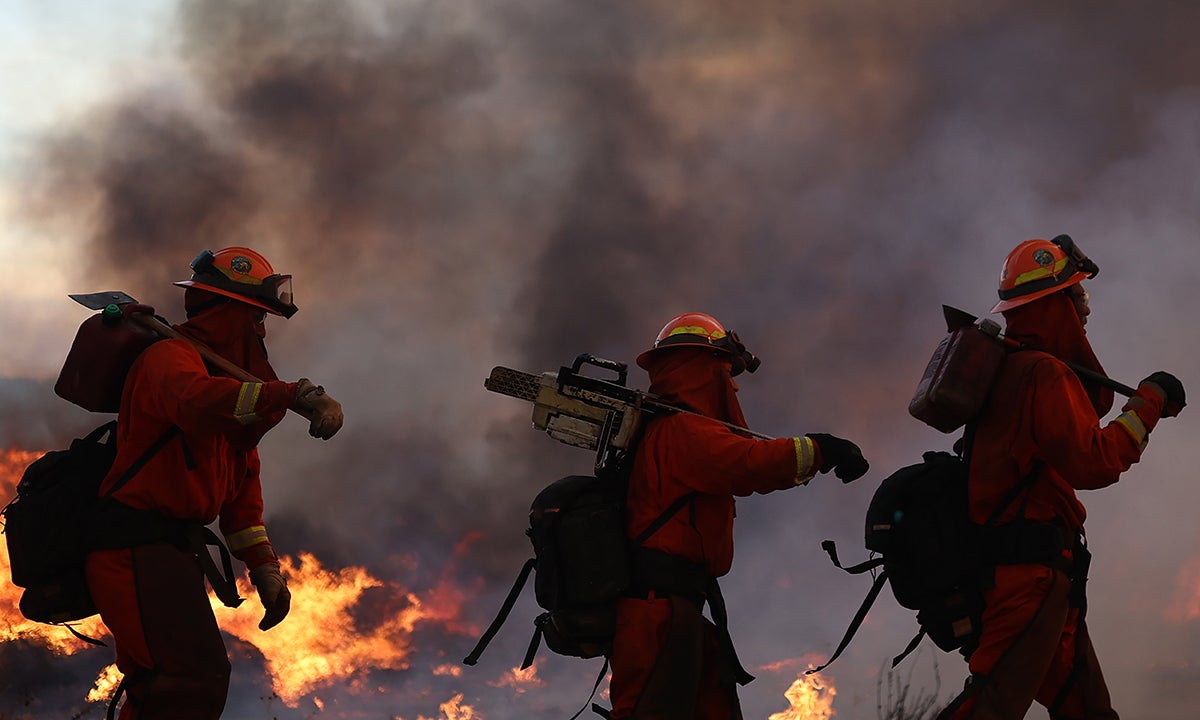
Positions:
{"x": 272, "y": 592}
{"x": 323, "y": 412}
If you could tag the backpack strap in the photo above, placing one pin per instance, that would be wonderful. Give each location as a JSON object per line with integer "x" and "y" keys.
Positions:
{"x": 859, "y": 616}
{"x": 144, "y": 458}
{"x": 501, "y": 616}
{"x": 199, "y": 538}
{"x": 666, "y": 515}
{"x": 908, "y": 649}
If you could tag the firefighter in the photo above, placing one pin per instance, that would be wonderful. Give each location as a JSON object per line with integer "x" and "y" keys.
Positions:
{"x": 668, "y": 661}
{"x": 1037, "y": 442}
{"x": 145, "y": 572}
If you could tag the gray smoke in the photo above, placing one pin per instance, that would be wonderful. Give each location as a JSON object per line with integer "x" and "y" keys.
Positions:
{"x": 456, "y": 186}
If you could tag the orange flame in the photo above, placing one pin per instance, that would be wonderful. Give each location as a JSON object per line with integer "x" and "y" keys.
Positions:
{"x": 520, "y": 680}
{"x": 319, "y": 644}
{"x": 454, "y": 709}
{"x": 1185, "y": 605}
{"x": 106, "y": 683}
{"x": 810, "y": 697}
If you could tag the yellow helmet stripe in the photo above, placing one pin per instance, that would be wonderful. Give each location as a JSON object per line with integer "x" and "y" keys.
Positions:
{"x": 696, "y": 330}
{"x": 1039, "y": 273}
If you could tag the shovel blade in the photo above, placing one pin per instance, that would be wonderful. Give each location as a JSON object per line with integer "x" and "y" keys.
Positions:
{"x": 101, "y": 300}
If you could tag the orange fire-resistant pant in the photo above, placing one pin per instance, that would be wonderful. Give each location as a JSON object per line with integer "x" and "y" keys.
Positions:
{"x": 1033, "y": 646}
{"x": 666, "y": 664}
{"x": 153, "y": 600}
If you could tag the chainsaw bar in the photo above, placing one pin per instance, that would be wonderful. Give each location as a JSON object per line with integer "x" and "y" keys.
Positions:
{"x": 514, "y": 383}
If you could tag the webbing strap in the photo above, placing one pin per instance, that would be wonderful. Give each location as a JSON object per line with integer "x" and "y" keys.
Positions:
{"x": 595, "y": 685}
{"x": 144, "y": 458}
{"x": 198, "y": 539}
{"x": 85, "y": 638}
{"x": 720, "y": 616}
{"x": 112, "y": 704}
{"x": 859, "y": 616}
{"x": 501, "y": 616}
{"x": 908, "y": 649}
{"x": 534, "y": 642}
{"x": 830, "y": 547}
{"x": 662, "y": 519}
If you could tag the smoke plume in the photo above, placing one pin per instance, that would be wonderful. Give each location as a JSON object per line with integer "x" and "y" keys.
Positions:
{"x": 461, "y": 185}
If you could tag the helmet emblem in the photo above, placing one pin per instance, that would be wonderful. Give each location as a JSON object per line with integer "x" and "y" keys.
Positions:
{"x": 1043, "y": 257}
{"x": 241, "y": 265}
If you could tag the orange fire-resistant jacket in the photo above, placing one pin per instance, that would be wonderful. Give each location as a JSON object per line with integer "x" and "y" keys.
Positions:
{"x": 212, "y": 469}
{"x": 1039, "y": 410}
{"x": 681, "y": 453}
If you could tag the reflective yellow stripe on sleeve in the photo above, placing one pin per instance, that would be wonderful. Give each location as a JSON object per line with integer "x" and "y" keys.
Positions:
{"x": 1134, "y": 426}
{"x": 249, "y": 537}
{"x": 805, "y": 460}
{"x": 247, "y": 400}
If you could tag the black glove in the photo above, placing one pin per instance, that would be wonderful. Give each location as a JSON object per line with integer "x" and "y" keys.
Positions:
{"x": 842, "y": 456}
{"x": 1176, "y": 398}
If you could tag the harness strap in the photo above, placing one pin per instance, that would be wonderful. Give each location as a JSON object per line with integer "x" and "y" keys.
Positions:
{"x": 716, "y": 604}
{"x": 505, "y": 609}
{"x": 596, "y": 708}
{"x": 85, "y": 638}
{"x": 830, "y": 547}
{"x": 908, "y": 649}
{"x": 144, "y": 458}
{"x": 198, "y": 539}
{"x": 112, "y": 704}
{"x": 536, "y": 641}
{"x": 666, "y": 515}
{"x": 859, "y": 616}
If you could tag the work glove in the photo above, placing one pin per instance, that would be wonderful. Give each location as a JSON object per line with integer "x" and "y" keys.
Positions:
{"x": 324, "y": 413}
{"x": 272, "y": 592}
{"x": 842, "y": 456}
{"x": 1171, "y": 388}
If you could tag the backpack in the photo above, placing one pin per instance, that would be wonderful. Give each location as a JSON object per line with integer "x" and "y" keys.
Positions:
{"x": 934, "y": 557}
{"x": 582, "y": 561}
{"x": 46, "y": 523}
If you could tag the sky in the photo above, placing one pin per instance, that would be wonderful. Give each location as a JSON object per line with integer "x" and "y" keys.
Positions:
{"x": 461, "y": 185}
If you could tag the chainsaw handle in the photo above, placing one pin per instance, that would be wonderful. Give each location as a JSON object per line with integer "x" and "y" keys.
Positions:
{"x": 620, "y": 368}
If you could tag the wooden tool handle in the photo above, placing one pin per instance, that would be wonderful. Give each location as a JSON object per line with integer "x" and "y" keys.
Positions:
{"x": 155, "y": 325}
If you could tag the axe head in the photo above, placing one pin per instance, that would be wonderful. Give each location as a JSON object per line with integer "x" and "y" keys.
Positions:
{"x": 101, "y": 300}
{"x": 956, "y": 318}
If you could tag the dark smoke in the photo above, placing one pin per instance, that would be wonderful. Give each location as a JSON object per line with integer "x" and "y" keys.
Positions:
{"x": 459, "y": 185}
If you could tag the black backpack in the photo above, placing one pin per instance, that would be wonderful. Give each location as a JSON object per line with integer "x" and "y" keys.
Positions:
{"x": 45, "y": 524}
{"x": 582, "y": 563}
{"x": 931, "y": 552}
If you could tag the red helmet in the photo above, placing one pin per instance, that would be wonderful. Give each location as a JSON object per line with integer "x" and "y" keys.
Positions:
{"x": 1037, "y": 268}
{"x": 700, "y": 330}
{"x": 244, "y": 275}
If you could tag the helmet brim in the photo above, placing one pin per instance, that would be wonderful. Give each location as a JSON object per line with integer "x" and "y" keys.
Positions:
{"x": 1026, "y": 299}
{"x": 232, "y": 295}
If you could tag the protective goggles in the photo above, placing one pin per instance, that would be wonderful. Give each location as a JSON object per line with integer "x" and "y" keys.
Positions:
{"x": 1076, "y": 257}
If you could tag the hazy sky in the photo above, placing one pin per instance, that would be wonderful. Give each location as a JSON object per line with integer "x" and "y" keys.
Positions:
{"x": 468, "y": 184}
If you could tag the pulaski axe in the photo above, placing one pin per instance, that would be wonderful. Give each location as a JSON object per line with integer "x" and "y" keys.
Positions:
{"x": 956, "y": 319}
{"x": 115, "y": 299}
